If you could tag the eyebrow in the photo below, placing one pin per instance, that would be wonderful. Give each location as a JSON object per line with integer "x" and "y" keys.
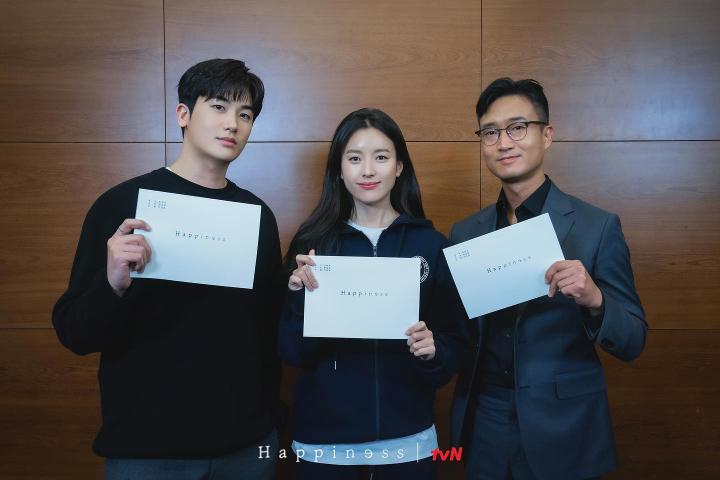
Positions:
{"x": 374, "y": 151}
{"x": 510, "y": 120}
{"x": 222, "y": 98}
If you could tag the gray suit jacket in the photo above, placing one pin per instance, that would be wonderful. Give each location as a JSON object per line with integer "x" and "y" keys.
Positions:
{"x": 560, "y": 392}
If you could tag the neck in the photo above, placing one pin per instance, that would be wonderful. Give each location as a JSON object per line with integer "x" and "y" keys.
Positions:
{"x": 207, "y": 172}
{"x": 517, "y": 192}
{"x": 373, "y": 216}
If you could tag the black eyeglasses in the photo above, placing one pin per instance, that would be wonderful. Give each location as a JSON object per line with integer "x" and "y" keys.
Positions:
{"x": 516, "y": 131}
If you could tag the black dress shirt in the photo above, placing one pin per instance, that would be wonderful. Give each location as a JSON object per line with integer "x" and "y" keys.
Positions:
{"x": 497, "y": 358}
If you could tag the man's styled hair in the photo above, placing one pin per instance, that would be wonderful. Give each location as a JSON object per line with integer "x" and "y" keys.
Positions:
{"x": 502, "y": 87}
{"x": 228, "y": 79}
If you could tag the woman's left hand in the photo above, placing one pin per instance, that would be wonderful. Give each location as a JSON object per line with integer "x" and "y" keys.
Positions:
{"x": 421, "y": 341}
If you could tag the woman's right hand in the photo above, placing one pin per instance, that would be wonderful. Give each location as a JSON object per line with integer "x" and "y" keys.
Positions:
{"x": 302, "y": 276}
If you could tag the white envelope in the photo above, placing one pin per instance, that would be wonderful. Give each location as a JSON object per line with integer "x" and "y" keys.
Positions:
{"x": 505, "y": 267}
{"x": 363, "y": 297}
{"x": 199, "y": 240}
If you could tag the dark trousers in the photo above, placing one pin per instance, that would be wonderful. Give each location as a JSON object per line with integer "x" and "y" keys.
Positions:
{"x": 422, "y": 470}
{"x": 496, "y": 451}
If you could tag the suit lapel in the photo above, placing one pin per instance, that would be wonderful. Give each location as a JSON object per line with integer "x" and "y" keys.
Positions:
{"x": 486, "y": 221}
{"x": 562, "y": 213}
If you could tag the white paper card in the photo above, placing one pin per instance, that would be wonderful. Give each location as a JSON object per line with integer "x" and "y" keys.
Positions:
{"x": 363, "y": 297}
{"x": 199, "y": 240}
{"x": 505, "y": 267}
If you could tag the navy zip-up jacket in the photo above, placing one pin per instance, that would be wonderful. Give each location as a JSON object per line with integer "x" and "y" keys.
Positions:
{"x": 358, "y": 390}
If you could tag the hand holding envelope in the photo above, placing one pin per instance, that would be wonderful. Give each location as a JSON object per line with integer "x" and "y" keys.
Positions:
{"x": 421, "y": 341}
{"x": 126, "y": 252}
{"x": 572, "y": 279}
{"x": 302, "y": 276}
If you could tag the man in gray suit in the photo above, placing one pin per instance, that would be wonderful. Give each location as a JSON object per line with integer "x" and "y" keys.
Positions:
{"x": 533, "y": 402}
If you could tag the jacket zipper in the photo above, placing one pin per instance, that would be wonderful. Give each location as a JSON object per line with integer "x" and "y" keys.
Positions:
{"x": 377, "y": 354}
{"x": 377, "y": 366}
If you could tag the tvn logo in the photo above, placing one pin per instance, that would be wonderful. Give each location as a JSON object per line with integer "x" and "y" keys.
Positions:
{"x": 454, "y": 454}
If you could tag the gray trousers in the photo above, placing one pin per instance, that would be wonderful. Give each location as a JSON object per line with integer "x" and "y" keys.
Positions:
{"x": 243, "y": 464}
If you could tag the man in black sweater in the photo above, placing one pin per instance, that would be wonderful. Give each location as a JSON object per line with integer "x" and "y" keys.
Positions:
{"x": 189, "y": 374}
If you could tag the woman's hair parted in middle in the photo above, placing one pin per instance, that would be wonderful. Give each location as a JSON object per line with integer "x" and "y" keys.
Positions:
{"x": 321, "y": 229}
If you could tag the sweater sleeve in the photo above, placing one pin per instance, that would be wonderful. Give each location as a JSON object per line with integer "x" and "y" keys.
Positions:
{"x": 446, "y": 318}
{"x": 89, "y": 316}
{"x": 269, "y": 285}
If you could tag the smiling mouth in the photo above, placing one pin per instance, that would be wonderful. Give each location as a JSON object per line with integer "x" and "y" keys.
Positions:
{"x": 368, "y": 186}
{"x": 508, "y": 159}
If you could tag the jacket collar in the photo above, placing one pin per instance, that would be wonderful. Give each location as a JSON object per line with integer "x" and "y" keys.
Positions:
{"x": 557, "y": 204}
{"x": 403, "y": 219}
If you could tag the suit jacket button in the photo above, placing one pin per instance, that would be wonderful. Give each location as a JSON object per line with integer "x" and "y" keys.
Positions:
{"x": 607, "y": 343}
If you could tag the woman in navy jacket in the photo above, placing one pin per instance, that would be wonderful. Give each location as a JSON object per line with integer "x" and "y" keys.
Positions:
{"x": 364, "y": 408}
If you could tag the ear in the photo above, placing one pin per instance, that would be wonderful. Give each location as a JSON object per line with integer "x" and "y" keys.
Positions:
{"x": 398, "y": 168}
{"x": 182, "y": 112}
{"x": 548, "y": 136}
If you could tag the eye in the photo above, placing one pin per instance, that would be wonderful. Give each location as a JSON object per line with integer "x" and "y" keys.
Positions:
{"x": 246, "y": 116}
{"x": 382, "y": 158}
{"x": 490, "y": 133}
{"x": 517, "y": 128}
{"x": 353, "y": 159}
{"x": 219, "y": 108}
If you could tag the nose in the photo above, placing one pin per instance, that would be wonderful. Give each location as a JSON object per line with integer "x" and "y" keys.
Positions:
{"x": 505, "y": 142}
{"x": 231, "y": 123}
{"x": 368, "y": 169}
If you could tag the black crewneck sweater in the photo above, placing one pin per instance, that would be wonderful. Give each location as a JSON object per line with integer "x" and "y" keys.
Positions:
{"x": 186, "y": 370}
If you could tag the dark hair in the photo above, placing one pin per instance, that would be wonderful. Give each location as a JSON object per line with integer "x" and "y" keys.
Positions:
{"x": 322, "y": 228}
{"x": 221, "y": 78}
{"x": 502, "y": 87}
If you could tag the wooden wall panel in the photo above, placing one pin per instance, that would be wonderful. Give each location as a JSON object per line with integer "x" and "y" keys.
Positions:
{"x": 49, "y": 408}
{"x": 81, "y": 70}
{"x": 668, "y": 197}
{"x": 46, "y": 192}
{"x": 288, "y": 177}
{"x": 664, "y": 407}
{"x": 613, "y": 70}
{"x": 449, "y": 175}
{"x": 419, "y": 60}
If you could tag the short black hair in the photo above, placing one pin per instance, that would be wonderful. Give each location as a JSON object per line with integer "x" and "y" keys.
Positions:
{"x": 502, "y": 87}
{"x": 221, "y": 78}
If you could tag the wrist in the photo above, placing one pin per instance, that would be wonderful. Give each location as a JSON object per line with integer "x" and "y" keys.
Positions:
{"x": 118, "y": 291}
{"x": 596, "y": 304}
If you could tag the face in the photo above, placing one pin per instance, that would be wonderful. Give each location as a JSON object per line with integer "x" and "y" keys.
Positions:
{"x": 217, "y": 129}
{"x": 510, "y": 160}
{"x": 369, "y": 167}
